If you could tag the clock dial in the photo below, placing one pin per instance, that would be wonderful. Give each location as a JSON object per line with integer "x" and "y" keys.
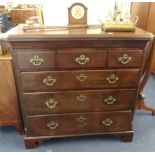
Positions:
{"x": 77, "y": 12}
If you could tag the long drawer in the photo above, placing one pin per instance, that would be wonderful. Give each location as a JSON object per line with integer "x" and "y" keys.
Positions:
{"x": 78, "y": 101}
{"x": 79, "y": 123}
{"x": 67, "y": 80}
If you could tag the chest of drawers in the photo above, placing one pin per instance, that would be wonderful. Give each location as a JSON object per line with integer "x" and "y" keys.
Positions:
{"x": 21, "y": 15}
{"x": 76, "y": 82}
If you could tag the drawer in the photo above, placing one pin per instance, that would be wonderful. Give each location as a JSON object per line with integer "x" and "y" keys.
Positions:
{"x": 66, "y": 80}
{"x": 124, "y": 58}
{"x": 82, "y": 58}
{"x": 78, "y": 123}
{"x": 78, "y": 101}
{"x": 35, "y": 59}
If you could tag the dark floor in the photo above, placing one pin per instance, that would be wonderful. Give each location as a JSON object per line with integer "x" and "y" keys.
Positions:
{"x": 144, "y": 136}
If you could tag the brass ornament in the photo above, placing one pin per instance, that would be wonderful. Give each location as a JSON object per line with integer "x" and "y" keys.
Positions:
{"x": 36, "y": 61}
{"x": 49, "y": 81}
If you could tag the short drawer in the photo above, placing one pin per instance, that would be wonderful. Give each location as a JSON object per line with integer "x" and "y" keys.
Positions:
{"x": 78, "y": 101}
{"x": 124, "y": 58}
{"x": 66, "y": 80}
{"x": 35, "y": 59}
{"x": 82, "y": 58}
{"x": 79, "y": 123}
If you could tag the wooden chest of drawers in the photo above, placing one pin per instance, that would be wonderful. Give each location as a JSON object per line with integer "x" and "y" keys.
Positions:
{"x": 76, "y": 82}
{"x": 19, "y": 16}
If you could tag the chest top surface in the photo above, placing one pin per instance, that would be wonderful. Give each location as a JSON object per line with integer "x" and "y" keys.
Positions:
{"x": 17, "y": 34}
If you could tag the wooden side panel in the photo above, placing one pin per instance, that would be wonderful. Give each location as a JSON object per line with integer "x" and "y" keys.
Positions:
{"x": 141, "y": 9}
{"x": 9, "y": 108}
{"x": 146, "y": 12}
{"x": 151, "y": 27}
{"x": 151, "y": 20}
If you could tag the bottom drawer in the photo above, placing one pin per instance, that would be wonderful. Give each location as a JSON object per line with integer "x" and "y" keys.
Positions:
{"x": 79, "y": 123}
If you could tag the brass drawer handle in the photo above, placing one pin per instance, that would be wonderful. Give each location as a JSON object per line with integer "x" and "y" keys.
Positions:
{"x": 125, "y": 59}
{"x": 51, "y": 103}
{"x": 81, "y": 97}
{"x": 52, "y": 125}
{"x": 82, "y": 59}
{"x": 82, "y": 77}
{"x": 81, "y": 119}
{"x": 110, "y": 100}
{"x": 49, "y": 81}
{"x": 36, "y": 61}
{"x": 107, "y": 122}
{"x": 112, "y": 79}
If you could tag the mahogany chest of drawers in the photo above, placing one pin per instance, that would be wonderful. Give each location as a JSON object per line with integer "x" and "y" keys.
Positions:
{"x": 78, "y": 82}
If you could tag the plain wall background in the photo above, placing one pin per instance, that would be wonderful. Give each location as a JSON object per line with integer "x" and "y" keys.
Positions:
{"x": 56, "y": 11}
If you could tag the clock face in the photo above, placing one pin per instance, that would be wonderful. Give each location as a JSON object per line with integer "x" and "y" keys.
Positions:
{"x": 77, "y": 11}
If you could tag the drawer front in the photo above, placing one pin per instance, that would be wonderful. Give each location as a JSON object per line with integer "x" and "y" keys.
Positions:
{"x": 36, "y": 59}
{"x": 124, "y": 58}
{"x": 66, "y": 80}
{"x": 80, "y": 123}
{"x": 82, "y": 58}
{"x": 78, "y": 101}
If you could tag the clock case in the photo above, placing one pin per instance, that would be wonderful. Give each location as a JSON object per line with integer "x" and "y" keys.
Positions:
{"x": 72, "y": 20}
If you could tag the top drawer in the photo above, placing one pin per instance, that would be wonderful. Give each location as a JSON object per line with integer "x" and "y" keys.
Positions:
{"x": 79, "y": 58}
{"x": 82, "y": 58}
{"x": 35, "y": 59}
{"x": 124, "y": 58}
